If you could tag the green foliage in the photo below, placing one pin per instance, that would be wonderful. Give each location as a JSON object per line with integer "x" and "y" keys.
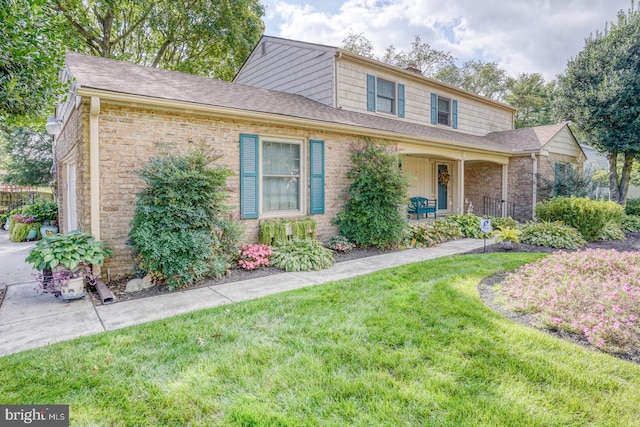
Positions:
{"x": 340, "y": 244}
{"x": 551, "y": 234}
{"x": 180, "y": 227}
{"x": 533, "y": 98}
{"x": 42, "y": 210}
{"x": 632, "y": 207}
{"x": 30, "y": 60}
{"x": 612, "y": 231}
{"x": 630, "y": 223}
{"x": 469, "y": 225}
{"x": 27, "y": 156}
{"x": 301, "y": 255}
{"x": 497, "y": 222}
{"x": 571, "y": 182}
{"x": 18, "y": 231}
{"x": 589, "y": 217}
{"x": 507, "y": 234}
{"x": 600, "y": 94}
{"x": 483, "y": 78}
{"x": 422, "y": 235}
{"x": 210, "y": 38}
{"x": 448, "y": 230}
{"x": 68, "y": 251}
{"x": 373, "y": 214}
{"x": 275, "y": 231}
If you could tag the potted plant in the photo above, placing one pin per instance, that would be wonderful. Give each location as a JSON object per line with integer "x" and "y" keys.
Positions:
{"x": 46, "y": 213}
{"x": 23, "y": 227}
{"x": 65, "y": 261}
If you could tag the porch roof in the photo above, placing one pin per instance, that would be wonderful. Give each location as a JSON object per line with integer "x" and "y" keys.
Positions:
{"x": 526, "y": 139}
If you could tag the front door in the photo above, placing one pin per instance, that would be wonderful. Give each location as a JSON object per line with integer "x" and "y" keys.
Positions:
{"x": 443, "y": 186}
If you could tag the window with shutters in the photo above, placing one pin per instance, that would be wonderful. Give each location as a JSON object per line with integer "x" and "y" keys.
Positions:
{"x": 273, "y": 180}
{"x": 444, "y": 111}
{"x": 280, "y": 176}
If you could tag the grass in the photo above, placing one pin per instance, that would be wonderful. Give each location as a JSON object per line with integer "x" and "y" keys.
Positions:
{"x": 413, "y": 345}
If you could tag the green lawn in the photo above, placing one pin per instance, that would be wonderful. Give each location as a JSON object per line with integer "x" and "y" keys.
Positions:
{"x": 413, "y": 345}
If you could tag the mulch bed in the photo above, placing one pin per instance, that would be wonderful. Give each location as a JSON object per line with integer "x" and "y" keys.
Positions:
{"x": 235, "y": 275}
{"x": 486, "y": 289}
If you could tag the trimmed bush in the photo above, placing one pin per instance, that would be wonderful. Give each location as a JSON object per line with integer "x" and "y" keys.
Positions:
{"x": 587, "y": 216}
{"x": 632, "y": 207}
{"x": 301, "y": 255}
{"x": 375, "y": 211}
{"x": 551, "y": 234}
{"x": 180, "y": 227}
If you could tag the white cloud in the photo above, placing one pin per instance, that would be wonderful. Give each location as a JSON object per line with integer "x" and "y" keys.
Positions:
{"x": 522, "y": 36}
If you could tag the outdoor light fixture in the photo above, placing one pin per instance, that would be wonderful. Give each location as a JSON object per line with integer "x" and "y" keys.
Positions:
{"x": 54, "y": 126}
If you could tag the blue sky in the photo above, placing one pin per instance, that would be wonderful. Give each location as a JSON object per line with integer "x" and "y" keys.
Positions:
{"x": 522, "y": 36}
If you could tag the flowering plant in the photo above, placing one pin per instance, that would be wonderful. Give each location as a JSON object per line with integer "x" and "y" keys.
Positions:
{"x": 443, "y": 177}
{"x": 593, "y": 293}
{"x": 340, "y": 244}
{"x": 252, "y": 256}
{"x": 24, "y": 219}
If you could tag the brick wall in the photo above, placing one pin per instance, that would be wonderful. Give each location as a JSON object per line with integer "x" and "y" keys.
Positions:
{"x": 130, "y": 137}
{"x": 481, "y": 179}
{"x": 520, "y": 190}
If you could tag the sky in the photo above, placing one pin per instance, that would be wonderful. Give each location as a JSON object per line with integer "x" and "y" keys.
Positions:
{"x": 522, "y": 36}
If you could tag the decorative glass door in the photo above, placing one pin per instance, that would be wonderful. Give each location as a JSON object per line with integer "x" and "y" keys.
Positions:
{"x": 443, "y": 186}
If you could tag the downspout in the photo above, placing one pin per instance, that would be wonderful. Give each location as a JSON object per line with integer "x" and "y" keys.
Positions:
{"x": 534, "y": 191}
{"x": 94, "y": 160}
{"x": 460, "y": 209}
{"x": 505, "y": 189}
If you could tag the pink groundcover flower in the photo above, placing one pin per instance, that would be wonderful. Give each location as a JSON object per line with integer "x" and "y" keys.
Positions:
{"x": 593, "y": 292}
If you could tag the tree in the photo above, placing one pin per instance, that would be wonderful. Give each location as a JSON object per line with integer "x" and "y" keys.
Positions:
{"x": 359, "y": 44}
{"x": 483, "y": 78}
{"x": 27, "y": 156}
{"x": 600, "y": 93}
{"x": 204, "y": 37}
{"x": 31, "y": 56}
{"x": 421, "y": 56}
{"x": 533, "y": 98}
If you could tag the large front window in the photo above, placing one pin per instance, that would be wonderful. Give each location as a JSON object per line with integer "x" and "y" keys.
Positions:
{"x": 280, "y": 176}
{"x": 386, "y": 96}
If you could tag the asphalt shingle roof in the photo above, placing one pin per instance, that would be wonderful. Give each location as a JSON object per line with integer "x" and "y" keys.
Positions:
{"x": 125, "y": 78}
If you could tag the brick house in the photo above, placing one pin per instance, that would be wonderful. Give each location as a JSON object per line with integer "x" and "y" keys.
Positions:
{"x": 284, "y": 126}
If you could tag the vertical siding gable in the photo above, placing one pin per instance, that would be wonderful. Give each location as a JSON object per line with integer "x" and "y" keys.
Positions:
{"x": 297, "y": 68}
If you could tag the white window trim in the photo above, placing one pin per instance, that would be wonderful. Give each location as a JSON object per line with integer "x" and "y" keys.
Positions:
{"x": 302, "y": 194}
{"x": 449, "y": 100}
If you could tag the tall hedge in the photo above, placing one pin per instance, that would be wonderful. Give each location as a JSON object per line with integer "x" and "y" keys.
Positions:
{"x": 588, "y": 216}
{"x": 375, "y": 211}
{"x": 180, "y": 227}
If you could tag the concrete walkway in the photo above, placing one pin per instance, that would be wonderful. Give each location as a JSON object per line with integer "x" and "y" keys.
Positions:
{"x": 31, "y": 319}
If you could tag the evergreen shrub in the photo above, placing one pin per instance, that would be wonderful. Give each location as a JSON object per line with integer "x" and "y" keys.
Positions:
{"x": 375, "y": 211}
{"x": 180, "y": 228}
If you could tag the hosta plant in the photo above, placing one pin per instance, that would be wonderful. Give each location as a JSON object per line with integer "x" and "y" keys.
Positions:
{"x": 551, "y": 234}
{"x": 301, "y": 255}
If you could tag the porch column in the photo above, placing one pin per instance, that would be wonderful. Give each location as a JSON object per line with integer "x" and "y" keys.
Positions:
{"x": 460, "y": 207}
{"x": 505, "y": 189}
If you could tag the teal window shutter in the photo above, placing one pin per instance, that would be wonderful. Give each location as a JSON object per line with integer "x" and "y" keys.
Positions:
{"x": 454, "y": 114}
{"x": 316, "y": 182}
{"x": 248, "y": 176}
{"x": 371, "y": 92}
{"x": 400, "y": 100}
{"x": 434, "y": 109}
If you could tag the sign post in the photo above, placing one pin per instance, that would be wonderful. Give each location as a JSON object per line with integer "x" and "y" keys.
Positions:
{"x": 485, "y": 227}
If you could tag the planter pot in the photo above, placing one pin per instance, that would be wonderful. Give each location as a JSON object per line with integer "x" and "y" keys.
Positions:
{"x": 33, "y": 233}
{"x": 72, "y": 288}
{"x": 48, "y": 230}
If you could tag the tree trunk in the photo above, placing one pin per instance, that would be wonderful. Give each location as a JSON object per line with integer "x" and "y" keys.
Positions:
{"x": 626, "y": 178}
{"x": 614, "y": 192}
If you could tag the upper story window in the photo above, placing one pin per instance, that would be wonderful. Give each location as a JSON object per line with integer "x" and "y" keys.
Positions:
{"x": 444, "y": 111}
{"x": 386, "y": 96}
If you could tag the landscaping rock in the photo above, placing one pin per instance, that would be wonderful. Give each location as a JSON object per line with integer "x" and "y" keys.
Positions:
{"x": 137, "y": 285}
